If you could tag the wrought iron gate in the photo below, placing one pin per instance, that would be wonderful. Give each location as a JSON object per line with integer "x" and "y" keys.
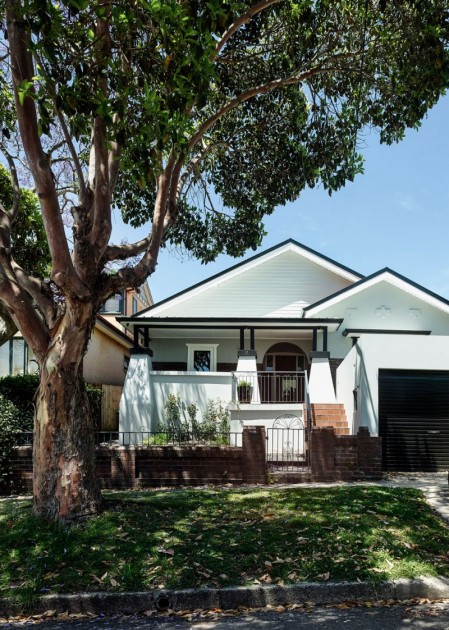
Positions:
{"x": 287, "y": 444}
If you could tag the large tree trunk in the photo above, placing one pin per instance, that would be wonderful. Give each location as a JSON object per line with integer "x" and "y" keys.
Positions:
{"x": 64, "y": 482}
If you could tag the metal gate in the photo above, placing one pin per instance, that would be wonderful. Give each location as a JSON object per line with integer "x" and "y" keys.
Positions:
{"x": 287, "y": 444}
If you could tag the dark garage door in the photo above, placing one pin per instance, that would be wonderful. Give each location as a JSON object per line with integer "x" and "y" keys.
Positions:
{"x": 414, "y": 419}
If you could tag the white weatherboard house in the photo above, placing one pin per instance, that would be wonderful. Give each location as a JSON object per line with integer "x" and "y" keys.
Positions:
{"x": 296, "y": 328}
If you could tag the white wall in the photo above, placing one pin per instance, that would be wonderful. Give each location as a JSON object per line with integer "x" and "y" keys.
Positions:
{"x": 374, "y": 352}
{"x": 191, "y": 387}
{"x": 103, "y": 362}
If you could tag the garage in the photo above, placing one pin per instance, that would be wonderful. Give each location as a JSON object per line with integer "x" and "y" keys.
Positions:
{"x": 414, "y": 419}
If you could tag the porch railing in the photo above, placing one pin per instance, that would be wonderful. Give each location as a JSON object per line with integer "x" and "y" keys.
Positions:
{"x": 269, "y": 387}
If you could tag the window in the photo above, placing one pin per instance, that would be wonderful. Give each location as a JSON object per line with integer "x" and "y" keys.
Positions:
{"x": 115, "y": 304}
{"x": 16, "y": 358}
{"x": 202, "y": 357}
{"x": 135, "y": 305}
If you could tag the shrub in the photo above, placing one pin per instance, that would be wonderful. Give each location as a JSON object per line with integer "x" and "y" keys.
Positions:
{"x": 11, "y": 423}
{"x": 95, "y": 396}
{"x": 20, "y": 390}
{"x": 215, "y": 426}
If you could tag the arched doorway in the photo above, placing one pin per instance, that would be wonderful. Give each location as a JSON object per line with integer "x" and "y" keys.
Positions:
{"x": 284, "y": 364}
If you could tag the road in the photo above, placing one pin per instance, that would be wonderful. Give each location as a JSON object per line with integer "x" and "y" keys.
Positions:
{"x": 398, "y": 617}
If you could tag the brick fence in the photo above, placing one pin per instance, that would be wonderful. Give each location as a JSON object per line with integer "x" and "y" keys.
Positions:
{"x": 153, "y": 466}
{"x": 332, "y": 458}
{"x": 344, "y": 457}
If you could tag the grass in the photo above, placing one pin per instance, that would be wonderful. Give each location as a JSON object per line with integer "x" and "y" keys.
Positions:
{"x": 216, "y": 538}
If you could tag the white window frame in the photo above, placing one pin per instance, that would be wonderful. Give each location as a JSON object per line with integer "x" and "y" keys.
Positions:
{"x": 212, "y": 347}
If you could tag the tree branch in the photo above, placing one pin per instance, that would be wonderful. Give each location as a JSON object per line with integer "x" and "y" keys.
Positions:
{"x": 255, "y": 91}
{"x": 63, "y": 272}
{"x": 33, "y": 287}
{"x": 24, "y": 315}
{"x": 101, "y": 225}
{"x": 241, "y": 21}
{"x": 74, "y": 154}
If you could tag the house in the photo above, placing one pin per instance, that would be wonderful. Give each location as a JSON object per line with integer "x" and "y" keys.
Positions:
{"x": 290, "y": 333}
{"x": 107, "y": 357}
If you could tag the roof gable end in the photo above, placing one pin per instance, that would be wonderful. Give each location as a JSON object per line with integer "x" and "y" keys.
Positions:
{"x": 287, "y": 246}
{"x": 383, "y": 275}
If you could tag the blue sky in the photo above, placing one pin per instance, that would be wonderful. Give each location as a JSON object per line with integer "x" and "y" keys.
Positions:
{"x": 395, "y": 215}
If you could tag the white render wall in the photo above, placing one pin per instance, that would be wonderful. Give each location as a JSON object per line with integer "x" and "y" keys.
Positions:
{"x": 386, "y": 307}
{"x": 361, "y": 368}
{"x": 191, "y": 387}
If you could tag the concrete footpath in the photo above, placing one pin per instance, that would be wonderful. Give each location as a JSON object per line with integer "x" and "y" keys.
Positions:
{"x": 436, "y": 490}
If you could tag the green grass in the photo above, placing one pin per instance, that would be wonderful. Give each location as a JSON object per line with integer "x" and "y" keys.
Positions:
{"x": 191, "y": 538}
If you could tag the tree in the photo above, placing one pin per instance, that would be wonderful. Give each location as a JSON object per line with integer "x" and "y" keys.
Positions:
{"x": 28, "y": 242}
{"x": 156, "y": 110}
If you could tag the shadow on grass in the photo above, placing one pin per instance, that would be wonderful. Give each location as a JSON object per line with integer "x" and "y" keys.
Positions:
{"x": 218, "y": 538}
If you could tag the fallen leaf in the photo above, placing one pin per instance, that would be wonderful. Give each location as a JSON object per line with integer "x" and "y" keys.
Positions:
{"x": 324, "y": 576}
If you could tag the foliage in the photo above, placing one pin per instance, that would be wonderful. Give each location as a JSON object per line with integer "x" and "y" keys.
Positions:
{"x": 20, "y": 391}
{"x": 172, "y": 408}
{"x": 29, "y": 245}
{"x": 213, "y": 429}
{"x": 12, "y": 421}
{"x": 95, "y": 396}
{"x": 218, "y": 538}
{"x": 216, "y": 421}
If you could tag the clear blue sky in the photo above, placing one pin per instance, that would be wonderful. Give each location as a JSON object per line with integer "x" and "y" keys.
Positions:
{"x": 395, "y": 215}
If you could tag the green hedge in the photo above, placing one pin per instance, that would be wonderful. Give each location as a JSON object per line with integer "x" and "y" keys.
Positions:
{"x": 17, "y": 415}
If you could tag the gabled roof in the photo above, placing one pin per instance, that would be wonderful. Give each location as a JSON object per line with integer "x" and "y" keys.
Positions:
{"x": 288, "y": 245}
{"x": 383, "y": 275}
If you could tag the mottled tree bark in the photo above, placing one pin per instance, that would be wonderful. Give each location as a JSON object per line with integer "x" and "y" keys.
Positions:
{"x": 65, "y": 485}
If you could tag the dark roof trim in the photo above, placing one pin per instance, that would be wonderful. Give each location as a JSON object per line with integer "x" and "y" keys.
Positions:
{"x": 249, "y": 260}
{"x": 139, "y": 321}
{"x": 374, "y": 275}
{"x": 228, "y": 327}
{"x": 379, "y": 331}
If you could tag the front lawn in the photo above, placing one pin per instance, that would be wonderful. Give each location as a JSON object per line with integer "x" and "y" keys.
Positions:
{"x": 215, "y": 538}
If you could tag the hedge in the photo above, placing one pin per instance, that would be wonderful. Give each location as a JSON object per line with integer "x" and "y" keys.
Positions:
{"x": 17, "y": 415}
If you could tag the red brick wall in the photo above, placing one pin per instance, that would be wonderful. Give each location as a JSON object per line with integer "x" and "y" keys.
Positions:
{"x": 344, "y": 457}
{"x": 153, "y": 466}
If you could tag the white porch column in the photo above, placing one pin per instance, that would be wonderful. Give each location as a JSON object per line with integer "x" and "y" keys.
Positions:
{"x": 321, "y": 387}
{"x": 135, "y": 402}
{"x": 247, "y": 363}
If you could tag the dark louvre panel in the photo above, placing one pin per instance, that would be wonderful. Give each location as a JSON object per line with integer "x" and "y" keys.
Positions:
{"x": 414, "y": 419}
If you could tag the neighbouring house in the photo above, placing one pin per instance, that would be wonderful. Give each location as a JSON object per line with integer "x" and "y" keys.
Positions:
{"x": 107, "y": 357}
{"x": 291, "y": 334}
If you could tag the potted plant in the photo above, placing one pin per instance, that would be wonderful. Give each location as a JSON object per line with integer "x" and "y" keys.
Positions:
{"x": 245, "y": 391}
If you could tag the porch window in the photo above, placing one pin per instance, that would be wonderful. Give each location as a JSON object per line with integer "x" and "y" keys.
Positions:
{"x": 202, "y": 357}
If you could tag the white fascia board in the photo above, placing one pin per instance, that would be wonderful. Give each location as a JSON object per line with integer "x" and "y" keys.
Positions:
{"x": 252, "y": 264}
{"x": 384, "y": 277}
